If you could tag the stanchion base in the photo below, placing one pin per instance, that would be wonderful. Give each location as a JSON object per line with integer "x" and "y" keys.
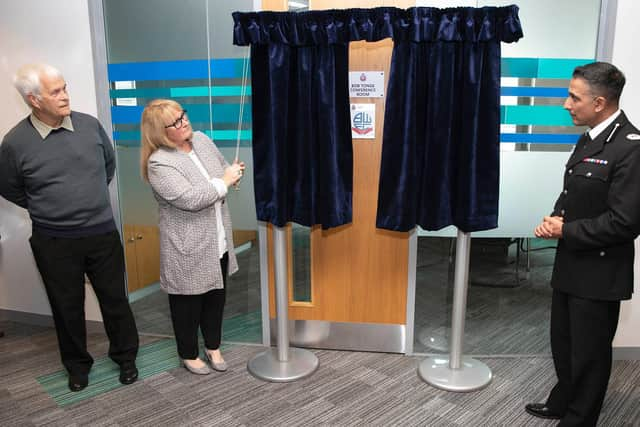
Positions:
{"x": 472, "y": 375}
{"x": 265, "y": 366}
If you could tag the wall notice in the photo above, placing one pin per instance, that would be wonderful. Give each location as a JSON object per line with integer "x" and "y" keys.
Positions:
{"x": 366, "y": 84}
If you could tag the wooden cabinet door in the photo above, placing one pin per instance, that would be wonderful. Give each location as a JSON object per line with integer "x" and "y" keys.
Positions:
{"x": 131, "y": 262}
{"x": 142, "y": 255}
{"x": 147, "y": 254}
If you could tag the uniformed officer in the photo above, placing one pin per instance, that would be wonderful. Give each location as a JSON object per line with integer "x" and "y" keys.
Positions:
{"x": 595, "y": 219}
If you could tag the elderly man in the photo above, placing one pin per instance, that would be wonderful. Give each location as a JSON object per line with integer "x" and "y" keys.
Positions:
{"x": 596, "y": 219}
{"x": 57, "y": 164}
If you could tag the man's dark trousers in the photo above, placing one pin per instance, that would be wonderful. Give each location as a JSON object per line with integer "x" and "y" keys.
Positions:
{"x": 582, "y": 331}
{"x": 62, "y": 263}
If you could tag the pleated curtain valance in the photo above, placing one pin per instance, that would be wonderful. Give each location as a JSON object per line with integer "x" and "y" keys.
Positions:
{"x": 341, "y": 26}
{"x": 439, "y": 163}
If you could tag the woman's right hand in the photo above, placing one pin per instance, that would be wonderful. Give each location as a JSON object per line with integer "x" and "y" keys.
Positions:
{"x": 232, "y": 174}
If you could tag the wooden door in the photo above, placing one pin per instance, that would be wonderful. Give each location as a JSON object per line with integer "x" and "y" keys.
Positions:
{"x": 359, "y": 273}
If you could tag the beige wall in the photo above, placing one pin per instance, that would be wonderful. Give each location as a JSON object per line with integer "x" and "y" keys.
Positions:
{"x": 38, "y": 31}
{"x": 625, "y": 56}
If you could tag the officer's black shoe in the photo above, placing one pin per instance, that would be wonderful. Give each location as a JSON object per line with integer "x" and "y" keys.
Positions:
{"x": 128, "y": 373}
{"x": 78, "y": 382}
{"x": 541, "y": 410}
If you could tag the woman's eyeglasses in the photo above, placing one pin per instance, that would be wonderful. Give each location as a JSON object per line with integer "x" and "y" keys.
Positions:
{"x": 179, "y": 121}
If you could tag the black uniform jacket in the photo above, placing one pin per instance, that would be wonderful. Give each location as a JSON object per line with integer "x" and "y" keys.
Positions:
{"x": 600, "y": 203}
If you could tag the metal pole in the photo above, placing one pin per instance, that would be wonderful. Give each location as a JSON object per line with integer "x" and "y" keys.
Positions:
{"x": 457, "y": 373}
{"x": 284, "y": 363}
{"x": 463, "y": 246}
{"x": 282, "y": 297}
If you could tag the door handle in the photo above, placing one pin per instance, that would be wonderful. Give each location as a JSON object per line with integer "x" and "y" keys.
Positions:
{"x": 139, "y": 237}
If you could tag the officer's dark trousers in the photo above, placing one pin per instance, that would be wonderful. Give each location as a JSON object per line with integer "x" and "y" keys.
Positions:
{"x": 62, "y": 263}
{"x": 204, "y": 311}
{"x": 582, "y": 331}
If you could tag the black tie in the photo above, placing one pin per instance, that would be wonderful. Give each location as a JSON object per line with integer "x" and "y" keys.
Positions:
{"x": 584, "y": 140}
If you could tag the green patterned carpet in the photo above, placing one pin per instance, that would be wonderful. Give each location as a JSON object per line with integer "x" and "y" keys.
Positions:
{"x": 152, "y": 359}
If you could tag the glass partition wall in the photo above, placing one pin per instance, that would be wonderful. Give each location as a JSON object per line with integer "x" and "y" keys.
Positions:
{"x": 509, "y": 297}
{"x": 183, "y": 51}
{"x": 158, "y": 48}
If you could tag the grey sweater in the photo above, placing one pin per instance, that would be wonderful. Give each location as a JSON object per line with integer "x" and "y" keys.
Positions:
{"x": 61, "y": 180}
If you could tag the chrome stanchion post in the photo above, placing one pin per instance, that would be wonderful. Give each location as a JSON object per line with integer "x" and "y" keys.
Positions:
{"x": 282, "y": 364}
{"x": 457, "y": 373}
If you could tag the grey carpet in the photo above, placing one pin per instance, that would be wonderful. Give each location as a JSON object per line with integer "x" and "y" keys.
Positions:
{"x": 349, "y": 388}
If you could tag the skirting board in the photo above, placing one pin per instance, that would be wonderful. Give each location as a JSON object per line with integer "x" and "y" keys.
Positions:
{"x": 626, "y": 353}
{"x": 387, "y": 338}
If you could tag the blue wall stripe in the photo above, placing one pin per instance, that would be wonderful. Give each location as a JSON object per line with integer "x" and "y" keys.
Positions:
{"x": 165, "y": 70}
{"x": 551, "y": 92}
{"x": 175, "y": 70}
{"x": 539, "y": 138}
{"x": 121, "y": 115}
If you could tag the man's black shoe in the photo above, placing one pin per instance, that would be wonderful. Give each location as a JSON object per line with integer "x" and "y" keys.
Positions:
{"x": 541, "y": 410}
{"x": 128, "y": 373}
{"x": 78, "y": 382}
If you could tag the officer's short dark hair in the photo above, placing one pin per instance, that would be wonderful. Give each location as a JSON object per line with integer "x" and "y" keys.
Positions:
{"x": 603, "y": 78}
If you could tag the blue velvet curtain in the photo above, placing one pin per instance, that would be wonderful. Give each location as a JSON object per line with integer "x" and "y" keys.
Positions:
{"x": 440, "y": 153}
{"x": 300, "y": 105}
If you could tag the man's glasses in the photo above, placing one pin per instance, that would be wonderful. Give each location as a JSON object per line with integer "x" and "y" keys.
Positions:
{"x": 179, "y": 121}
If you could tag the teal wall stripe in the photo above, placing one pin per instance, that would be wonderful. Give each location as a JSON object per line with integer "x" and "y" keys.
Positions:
{"x": 132, "y": 138}
{"x": 541, "y": 68}
{"x": 189, "y": 91}
{"x": 535, "y": 115}
{"x": 176, "y": 92}
{"x": 160, "y": 92}
{"x": 228, "y": 135}
{"x": 519, "y": 67}
{"x": 549, "y": 68}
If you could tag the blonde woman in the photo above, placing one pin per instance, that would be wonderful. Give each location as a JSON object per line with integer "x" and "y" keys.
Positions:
{"x": 190, "y": 178}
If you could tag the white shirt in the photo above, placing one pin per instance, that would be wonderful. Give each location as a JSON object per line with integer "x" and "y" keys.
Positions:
{"x": 221, "y": 188}
{"x": 597, "y": 130}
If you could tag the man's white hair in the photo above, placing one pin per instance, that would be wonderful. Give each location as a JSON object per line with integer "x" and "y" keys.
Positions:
{"x": 27, "y": 79}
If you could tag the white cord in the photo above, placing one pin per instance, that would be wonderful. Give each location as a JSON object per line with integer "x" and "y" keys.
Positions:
{"x": 245, "y": 72}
